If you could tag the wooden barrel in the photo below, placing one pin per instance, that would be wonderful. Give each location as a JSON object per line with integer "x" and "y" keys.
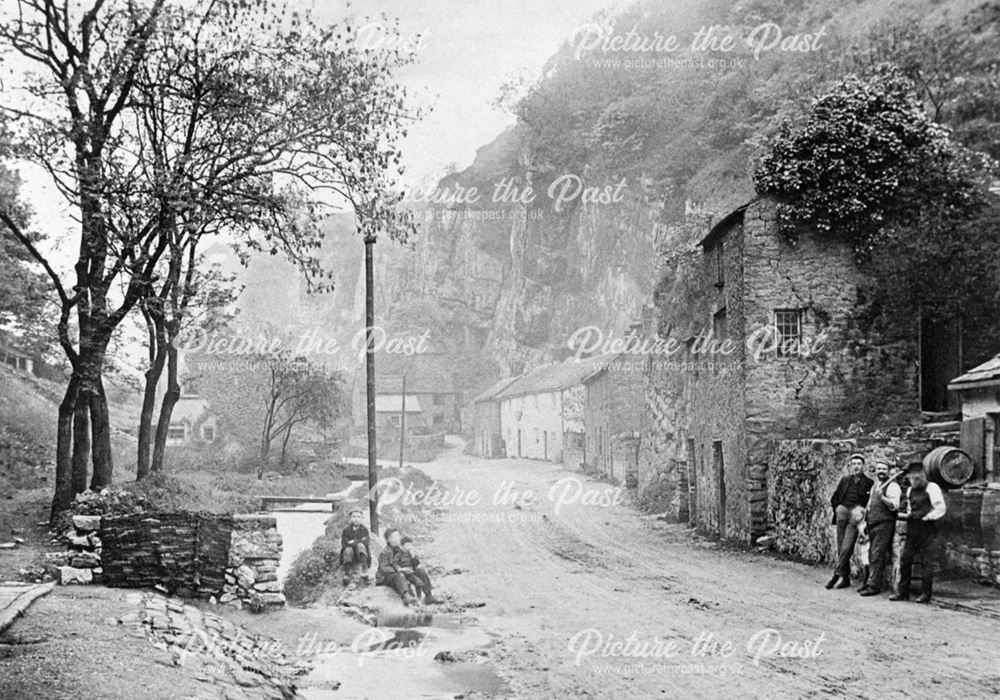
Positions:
{"x": 972, "y": 506}
{"x": 989, "y": 518}
{"x": 949, "y": 467}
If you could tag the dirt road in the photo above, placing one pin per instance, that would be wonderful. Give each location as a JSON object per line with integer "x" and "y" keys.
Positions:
{"x": 562, "y": 588}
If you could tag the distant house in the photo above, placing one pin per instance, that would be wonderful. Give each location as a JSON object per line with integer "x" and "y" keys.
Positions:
{"x": 487, "y": 435}
{"x": 431, "y": 403}
{"x": 979, "y": 392}
{"x": 11, "y": 356}
{"x": 613, "y": 416}
{"x": 191, "y": 421}
{"x": 542, "y": 412}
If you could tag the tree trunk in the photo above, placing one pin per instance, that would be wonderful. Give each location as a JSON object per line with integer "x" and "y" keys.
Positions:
{"x": 100, "y": 422}
{"x": 284, "y": 444}
{"x": 63, "y": 495}
{"x": 81, "y": 446}
{"x": 153, "y": 375}
{"x": 170, "y": 397}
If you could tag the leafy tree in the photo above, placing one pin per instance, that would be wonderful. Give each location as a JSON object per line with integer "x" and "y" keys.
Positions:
{"x": 161, "y": 124}
{"x": 266, "y": 395}
{"x": 24, "y": 299}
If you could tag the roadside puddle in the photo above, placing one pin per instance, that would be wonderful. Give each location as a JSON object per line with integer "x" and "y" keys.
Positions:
{"x": 416, "y": 655}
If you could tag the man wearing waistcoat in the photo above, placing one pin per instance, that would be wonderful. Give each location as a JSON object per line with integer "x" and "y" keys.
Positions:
{"x": 848, "y": 501}
{"x": 926, "y": 505}
{"x": 880, "y": 517}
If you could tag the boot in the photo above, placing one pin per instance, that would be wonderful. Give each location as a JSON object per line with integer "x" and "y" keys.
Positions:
{"x": 844, "y": 582}
{"x": 865, "y": 571}
{"x": 923, "y": 598}
{"x": 899, "y": 596}
{"x": 832, "y": 582}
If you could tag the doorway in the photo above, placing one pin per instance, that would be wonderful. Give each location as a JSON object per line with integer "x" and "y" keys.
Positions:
{"x": 720, "y": 471}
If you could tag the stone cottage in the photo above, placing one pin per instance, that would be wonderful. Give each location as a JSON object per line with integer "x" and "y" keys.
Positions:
{"x": 768, "y": 348}
{"x": 431, "y": 402}
{"x": 484, "y": 418}
{"x": 613, "y": 413}
{"x": 542, "y": 413}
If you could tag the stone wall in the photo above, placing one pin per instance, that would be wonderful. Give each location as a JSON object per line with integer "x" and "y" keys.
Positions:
{"x": 802, "y": 475}
{"x": 232, "y": 558}
{"x": 254, "y": 552}
{"x": 714, "y": 414}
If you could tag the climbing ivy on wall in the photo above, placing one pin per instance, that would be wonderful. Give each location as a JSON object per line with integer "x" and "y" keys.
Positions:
{"x": 866, "y": 158}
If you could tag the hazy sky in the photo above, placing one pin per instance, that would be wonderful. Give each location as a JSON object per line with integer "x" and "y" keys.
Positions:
{"x": 469, "y": 50}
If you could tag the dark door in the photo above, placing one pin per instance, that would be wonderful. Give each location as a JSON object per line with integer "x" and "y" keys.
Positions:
{"x": 720, "y": 470}
{"x": 940, "y": 362}
{"x": 545, "y": 445}
{"x": 518, "y": 442}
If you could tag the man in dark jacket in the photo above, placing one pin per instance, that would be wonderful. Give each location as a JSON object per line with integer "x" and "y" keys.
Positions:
{"x": 355, "y": 545}
{"x": 848, "y": 501}
{"x": 392, "y": 569}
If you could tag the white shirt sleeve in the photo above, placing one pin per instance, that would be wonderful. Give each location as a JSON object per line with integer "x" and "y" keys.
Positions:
{"x": 938, "y": 507}
{"x": 893, "y": 494}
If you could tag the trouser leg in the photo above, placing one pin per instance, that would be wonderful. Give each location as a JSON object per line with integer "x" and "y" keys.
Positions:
{"x": 850, "y": 537}
{"x": 398, "y": 583}
{"x": 878, "y": 552}
{"x": 923, "y": 544}
{"x": 906, "y": 563}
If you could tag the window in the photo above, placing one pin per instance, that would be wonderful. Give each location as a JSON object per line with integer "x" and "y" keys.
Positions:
{"x": 208, "y": 433}
{"x": 439, "y": 399}
{"x": 720, "y": 326}
{"x": 189, "y": 388}
{"x": 176, "y": 433}
{"x": 394, "y": 421}
{"x": 788, "y": 324}
{"x": 438, "y": 419}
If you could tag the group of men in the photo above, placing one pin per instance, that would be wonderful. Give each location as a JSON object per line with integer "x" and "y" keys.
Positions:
{"x": 399, "y": 567}
{"x": 873, "y": 507}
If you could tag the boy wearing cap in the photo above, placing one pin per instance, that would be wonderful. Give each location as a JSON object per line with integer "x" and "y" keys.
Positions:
{"x": 355, "y": 545}
{"x": 848, "y": 501}
{"x": 925, "y": 507}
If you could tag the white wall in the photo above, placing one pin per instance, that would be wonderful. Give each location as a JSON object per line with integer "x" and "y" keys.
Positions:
{"x": 539, "y": 419}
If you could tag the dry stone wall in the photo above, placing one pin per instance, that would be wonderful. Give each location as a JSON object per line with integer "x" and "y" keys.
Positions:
{"x": 233, "y": 559}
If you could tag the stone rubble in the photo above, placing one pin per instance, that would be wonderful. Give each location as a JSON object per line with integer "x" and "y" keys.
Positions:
{"x": 236, "y": 665}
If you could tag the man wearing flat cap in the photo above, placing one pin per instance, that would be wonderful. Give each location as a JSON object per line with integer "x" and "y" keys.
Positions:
{"x": 848, "y": 501}
{"x": 925, "y": 507}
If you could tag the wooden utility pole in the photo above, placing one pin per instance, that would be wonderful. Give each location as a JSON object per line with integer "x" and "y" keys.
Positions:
{"x": 402, "y": 424}
{"x": 370, "y": 381}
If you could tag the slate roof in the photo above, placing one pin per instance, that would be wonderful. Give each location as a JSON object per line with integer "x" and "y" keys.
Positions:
{"x": 986, "y": 374}
{"x": 492, "y": 392}
{"x": 554, "y": 377}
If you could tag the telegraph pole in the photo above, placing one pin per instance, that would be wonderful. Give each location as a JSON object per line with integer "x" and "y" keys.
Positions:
{"x": 402, "y": 424}
{"x": 370, "y": 381}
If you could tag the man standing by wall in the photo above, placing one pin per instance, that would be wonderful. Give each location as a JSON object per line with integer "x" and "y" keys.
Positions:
{"x": 848, "y": 501}
{"x": 880, "y": 516}
{"x": 925, "y": 507}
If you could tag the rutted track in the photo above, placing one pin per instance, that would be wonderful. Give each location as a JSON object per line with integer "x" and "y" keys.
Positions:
{"x": 548, "y": 577}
